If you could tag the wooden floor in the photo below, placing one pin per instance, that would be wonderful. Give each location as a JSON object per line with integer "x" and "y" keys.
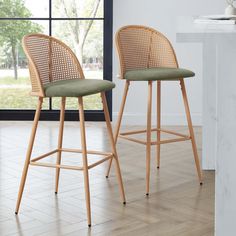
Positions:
{"x": 177, "y": 204}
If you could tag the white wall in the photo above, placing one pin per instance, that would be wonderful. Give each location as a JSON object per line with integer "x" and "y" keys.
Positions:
{"x": 162, "y": 15}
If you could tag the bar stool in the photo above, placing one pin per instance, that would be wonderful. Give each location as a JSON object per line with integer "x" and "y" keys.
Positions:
{"x": 147, "y": 55}
{"x": 56, "y": 72}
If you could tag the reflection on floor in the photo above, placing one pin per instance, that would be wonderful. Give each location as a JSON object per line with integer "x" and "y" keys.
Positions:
{"x": 177, "y": 205}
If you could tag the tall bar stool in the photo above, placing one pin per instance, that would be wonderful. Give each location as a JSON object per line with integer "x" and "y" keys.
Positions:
{"x": 147, "y": 55}
{"x": 56, "y": 72}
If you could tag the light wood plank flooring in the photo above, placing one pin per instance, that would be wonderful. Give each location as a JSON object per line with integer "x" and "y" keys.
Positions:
{"x": 177, "y": 205}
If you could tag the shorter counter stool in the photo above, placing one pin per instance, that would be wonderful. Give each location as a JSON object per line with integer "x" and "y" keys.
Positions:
{"x": 56, "y": 72}
{"x": 147, "y": 55}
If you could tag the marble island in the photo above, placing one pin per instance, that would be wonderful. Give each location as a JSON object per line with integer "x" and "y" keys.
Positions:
{"x": 219, "y": 112}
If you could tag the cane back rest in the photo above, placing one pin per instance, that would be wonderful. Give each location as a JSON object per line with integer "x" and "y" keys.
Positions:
{"x": 50, "y": 60}
{"x": 141, "y": 47}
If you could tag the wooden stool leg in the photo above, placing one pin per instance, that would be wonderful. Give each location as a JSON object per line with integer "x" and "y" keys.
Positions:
{"x": 113, "y": 146}
{"x": 85, "y": 161}
{"x": 190, "y": 126}
{"x": 29, "y": 152}
{"x": 148, "y": 146}
{"x": 119, "y": 121}
{"x": 158, "y": 123}
{"x": 60, "y": 139}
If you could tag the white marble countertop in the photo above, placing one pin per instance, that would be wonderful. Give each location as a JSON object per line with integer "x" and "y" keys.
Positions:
{"x": 219, "y": 112}
{"x": 197, "y": 32}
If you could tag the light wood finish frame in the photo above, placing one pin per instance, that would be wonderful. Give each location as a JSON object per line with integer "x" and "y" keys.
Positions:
{"x": 190, "y": 126}
{"x": 148, "y": 144}
{"x": 155, "y": 142}
{"x": 45, "y": 69}
{"x": 153, "y": 129}
{"x": 35, "y": 162}
{"x": 105, "y": 156}
{"x": 85, "y": 161}
{"x": 151, "y": 49}
{"x": 177, "y": 205}
{"x": 28, "y": 154}
{"x": 113, "y": 146}
{"x": 60, "y": 139}
{"x": 158, "y": 123}
{"x": 126, "y": 89}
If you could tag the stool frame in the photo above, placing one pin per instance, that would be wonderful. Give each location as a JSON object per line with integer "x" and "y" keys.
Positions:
{"x": 39, "y": 70}
{"x": 153, "y": 59}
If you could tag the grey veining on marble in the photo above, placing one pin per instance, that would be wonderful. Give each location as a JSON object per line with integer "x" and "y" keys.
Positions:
{"x": 189, "y": 32}
{"x": 226, "y": 150}
{"x": 219, "y": 113}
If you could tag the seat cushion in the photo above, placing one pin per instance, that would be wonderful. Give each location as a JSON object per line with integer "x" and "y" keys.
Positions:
{"x": 158, "y": 74}
{"x": 77, "y": 87}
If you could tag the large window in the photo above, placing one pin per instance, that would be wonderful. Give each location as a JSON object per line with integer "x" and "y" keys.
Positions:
{"x": 84, "y": 25}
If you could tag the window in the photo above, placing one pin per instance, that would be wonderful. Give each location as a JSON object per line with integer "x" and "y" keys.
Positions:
{"x": 84, "y": 25}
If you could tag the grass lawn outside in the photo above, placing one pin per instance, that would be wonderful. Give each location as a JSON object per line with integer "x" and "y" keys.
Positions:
{"x": 14, "y": 94}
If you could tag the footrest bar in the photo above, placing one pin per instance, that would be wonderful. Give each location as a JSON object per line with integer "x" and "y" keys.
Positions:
{"x": 44, "y": 155}
{"x": 136, "y": 131}
{"x": 55, "y": 166}
{"x": 174, "y": 140}
{"x": 133, "y": 139}
{"x": 154, "y": 129}
{"x": 100, "y": 162}
{"x": 106, "y": 157}
{"x": 88, "y": 151}
{"x": 174, "y": 133}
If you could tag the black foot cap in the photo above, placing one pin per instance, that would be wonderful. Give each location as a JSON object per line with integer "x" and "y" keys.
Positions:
{"x": 158, "y": 167}
{"x": 147, "y": 194}
{"x": 124, "y": 203}
{"x": 16, "y": 213}
{"x": 89, "y": 226}
{"x": 107, "y": 176}
{"x": 201, "y": 183}
{"x": 55, "y": 192}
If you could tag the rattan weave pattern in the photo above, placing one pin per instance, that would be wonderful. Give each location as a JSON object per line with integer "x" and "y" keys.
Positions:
{"x": 34, "y": 80}
{"x": 50, "y": 60}
{"x": 141, "y": 47}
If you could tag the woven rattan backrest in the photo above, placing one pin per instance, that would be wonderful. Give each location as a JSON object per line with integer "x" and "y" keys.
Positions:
{"x": 141, "y": 47}
{"x": 50, "y": 60}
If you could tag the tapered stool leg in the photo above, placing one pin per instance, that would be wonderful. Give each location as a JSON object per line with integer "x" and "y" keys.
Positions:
{"x": 158, "y": 123}
{"x": 119, "y": 120}
{"x": 190, "y": 126}
{"x": 112, "y": 141}
{"x": 28, "y": 154}
{"x": 60, "y": 139}
{"x": 148, "y": 146}
{"x": 85, "y": 161}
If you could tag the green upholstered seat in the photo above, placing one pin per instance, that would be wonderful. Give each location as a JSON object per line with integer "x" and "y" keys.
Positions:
{"x": 77, "y": 87}
{"x": 158, "y": 74}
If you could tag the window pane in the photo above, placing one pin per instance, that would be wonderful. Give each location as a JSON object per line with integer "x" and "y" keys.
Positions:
{"x": 77, "y": 8}
{"x": 90, "y": 53}
{"x": 24, "y": 9}
{"x": 14, "y": 76}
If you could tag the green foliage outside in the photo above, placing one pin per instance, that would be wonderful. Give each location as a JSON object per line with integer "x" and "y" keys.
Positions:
{"x": 13, "y": 31}
{"x": 20, "y": 99}
{"x": 77, "y": 31}
{"x": 16, "y": 93}
{"x": 84, "y": 37}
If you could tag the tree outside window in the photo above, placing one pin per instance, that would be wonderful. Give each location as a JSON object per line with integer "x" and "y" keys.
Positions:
{"x": 84, "y": 36}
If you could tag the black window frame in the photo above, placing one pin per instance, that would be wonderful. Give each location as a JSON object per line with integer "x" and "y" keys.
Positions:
{"x": 72, "y": 115}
